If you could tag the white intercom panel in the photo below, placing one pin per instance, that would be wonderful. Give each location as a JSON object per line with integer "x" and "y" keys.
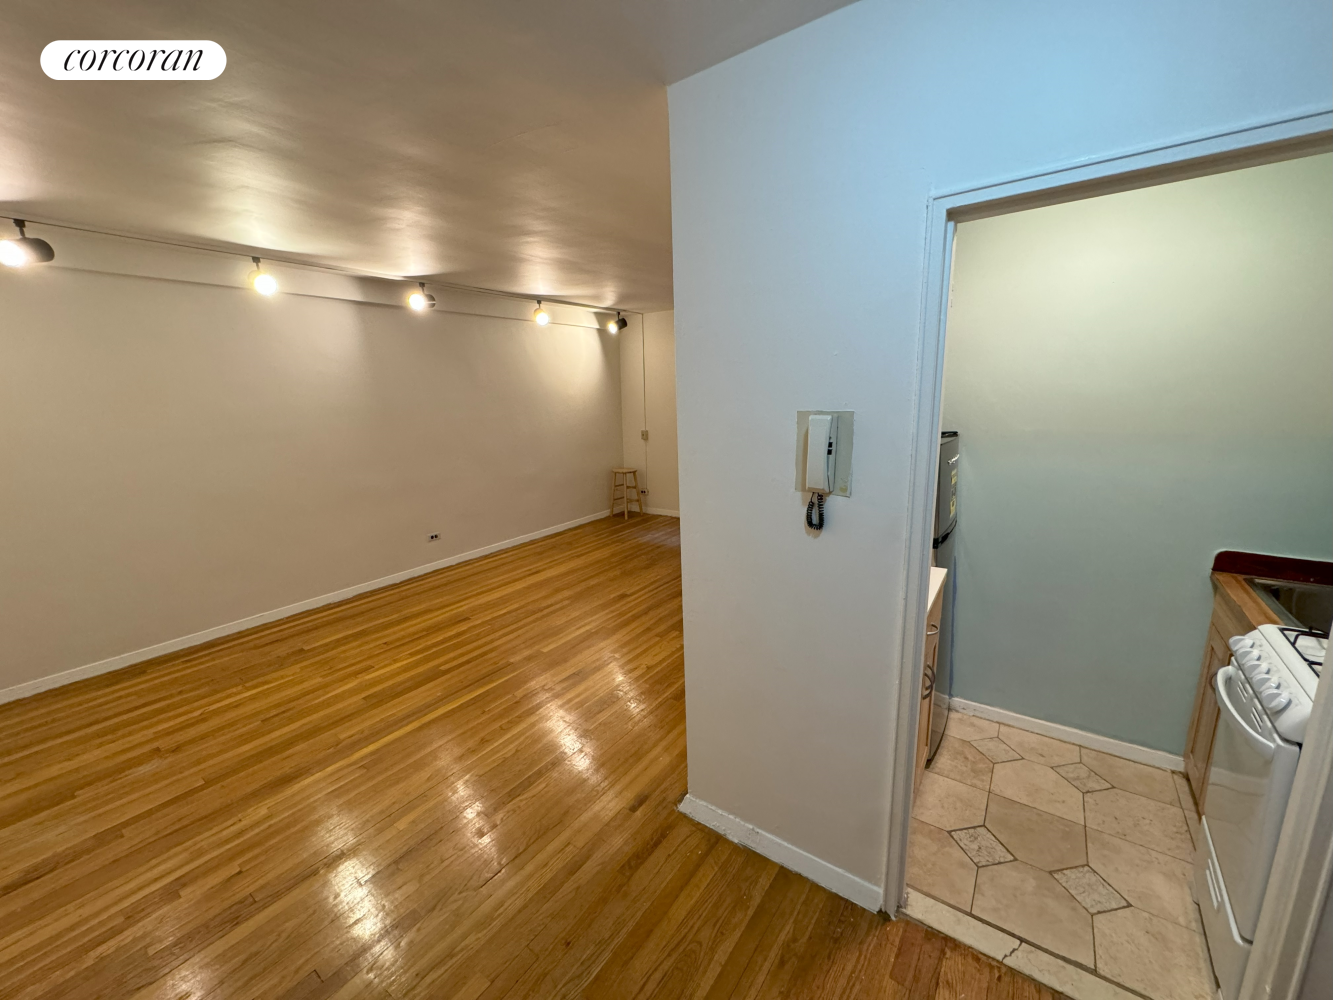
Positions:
{"x": 824, "y": 452}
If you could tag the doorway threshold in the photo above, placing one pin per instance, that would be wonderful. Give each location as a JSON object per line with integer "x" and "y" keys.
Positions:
{"x": 1050, "y": 970}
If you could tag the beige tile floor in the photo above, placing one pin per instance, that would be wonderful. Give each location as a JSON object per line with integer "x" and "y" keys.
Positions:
{"x": 1078, "y": 852}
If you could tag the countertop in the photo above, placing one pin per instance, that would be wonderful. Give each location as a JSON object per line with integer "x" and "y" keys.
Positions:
{"x": 1235, "y": 597}
{"x": 1242, "y": 602}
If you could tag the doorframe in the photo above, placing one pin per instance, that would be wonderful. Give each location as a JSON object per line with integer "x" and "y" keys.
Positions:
{"x": 1196, "y": 155}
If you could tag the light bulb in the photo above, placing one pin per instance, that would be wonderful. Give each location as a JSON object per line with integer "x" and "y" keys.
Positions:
{"x": 24, "y": 250}
{"x": 11, "y": 254}
{"x": 540, "y": 316}
{"x": 263, "y": 282}
{"x": 420, "y": 300}
{"x": 611, "y": 326}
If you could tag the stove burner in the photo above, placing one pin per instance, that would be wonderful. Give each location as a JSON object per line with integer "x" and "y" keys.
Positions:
{"x": 1309, "y": 643}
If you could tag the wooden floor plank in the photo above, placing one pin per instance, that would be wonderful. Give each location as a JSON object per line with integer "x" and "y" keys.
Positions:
{"x": 966, "y": 974}
{"x": 463, "y": 785}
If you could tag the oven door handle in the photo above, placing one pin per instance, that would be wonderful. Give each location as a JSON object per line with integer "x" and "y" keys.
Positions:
{"x": 1261, "y": 746}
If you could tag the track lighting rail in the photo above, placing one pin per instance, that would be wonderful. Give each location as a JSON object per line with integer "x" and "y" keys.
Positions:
{"x": 332, "y": 268}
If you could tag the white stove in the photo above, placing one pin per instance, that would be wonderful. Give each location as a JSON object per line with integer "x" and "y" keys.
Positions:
{"x": 1264, "y": 697}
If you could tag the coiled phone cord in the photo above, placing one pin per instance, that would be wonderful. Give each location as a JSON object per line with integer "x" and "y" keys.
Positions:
{"x": 816, "y": 505}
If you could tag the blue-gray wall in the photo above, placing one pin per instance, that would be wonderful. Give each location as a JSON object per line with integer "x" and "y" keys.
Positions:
{"x": 1139, "y": 380}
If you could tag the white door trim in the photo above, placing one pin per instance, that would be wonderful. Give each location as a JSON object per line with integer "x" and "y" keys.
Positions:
{"x": 1193, "y": 155}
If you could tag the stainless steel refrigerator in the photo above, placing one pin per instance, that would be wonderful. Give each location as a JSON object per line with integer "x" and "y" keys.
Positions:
{"x": 946, "y": 521}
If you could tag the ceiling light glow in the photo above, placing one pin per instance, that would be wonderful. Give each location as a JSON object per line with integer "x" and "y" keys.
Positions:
{"x": 539, "y": 315}
{"x": 421, "y": 300}
{"x": 24, "y": 249}
{"x": 261, "y": 281}
{"x": 617, "y": 324}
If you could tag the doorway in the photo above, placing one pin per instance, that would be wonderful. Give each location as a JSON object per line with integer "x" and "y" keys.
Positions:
{"x": 1096, "y": 349}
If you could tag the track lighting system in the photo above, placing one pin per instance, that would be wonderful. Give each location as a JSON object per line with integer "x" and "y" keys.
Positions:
{"x": 261, "y": 281}
{"x": 25, "y": 249}
{"x": 421, "y": 300}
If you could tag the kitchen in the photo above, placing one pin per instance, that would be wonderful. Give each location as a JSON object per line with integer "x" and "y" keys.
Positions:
{"x": 1138, "y": 383}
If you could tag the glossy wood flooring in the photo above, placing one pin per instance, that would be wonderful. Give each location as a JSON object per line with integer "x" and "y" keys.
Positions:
{"x": 462, "y": 786}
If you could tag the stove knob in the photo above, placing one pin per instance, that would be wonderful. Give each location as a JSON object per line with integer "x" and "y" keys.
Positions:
{"x": 1275, "y": 700}
{"x": 1239, "y": 642}
{"x": 1264, "y": 684}
{"x": 1255, "y": 670}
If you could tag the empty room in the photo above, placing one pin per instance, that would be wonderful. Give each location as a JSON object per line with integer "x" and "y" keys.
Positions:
{"x": 665, "y": 499}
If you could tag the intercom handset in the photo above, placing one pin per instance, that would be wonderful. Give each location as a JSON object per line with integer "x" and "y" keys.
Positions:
{"x": 820, "y": 465}
{"x": 820, "y": 452}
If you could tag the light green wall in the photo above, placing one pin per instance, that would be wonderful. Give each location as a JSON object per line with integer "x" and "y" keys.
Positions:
{"x": 1140, "y": 380}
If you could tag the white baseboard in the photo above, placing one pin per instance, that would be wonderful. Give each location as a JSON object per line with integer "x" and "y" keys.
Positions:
{"x": 845, "y": 884}
{"x": 661, "y": 510}
{"x": 40, "y": 684}
{"x": 1117, "y": 748}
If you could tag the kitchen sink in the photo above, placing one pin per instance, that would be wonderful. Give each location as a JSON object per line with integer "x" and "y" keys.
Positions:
{"x": 1300, "y": 605}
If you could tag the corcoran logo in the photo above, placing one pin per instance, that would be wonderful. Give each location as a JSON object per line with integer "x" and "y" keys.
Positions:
{"x": 131, "y": 60}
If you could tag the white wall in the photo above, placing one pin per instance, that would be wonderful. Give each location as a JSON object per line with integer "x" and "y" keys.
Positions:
{"x": 800, "y": 177}
{"x": 648, "y": 364}
{"x": 180, "y": 455}
{"x": 1140, "y": 381}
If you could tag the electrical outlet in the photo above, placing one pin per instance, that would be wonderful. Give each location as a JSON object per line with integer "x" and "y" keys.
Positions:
{"x": 434, "y": 536}
{"x": 644, "y": 434}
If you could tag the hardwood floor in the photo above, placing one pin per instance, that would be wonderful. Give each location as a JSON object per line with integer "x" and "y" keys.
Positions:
{"x": 461, "y": 786}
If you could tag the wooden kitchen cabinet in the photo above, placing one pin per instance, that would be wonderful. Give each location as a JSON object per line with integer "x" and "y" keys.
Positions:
{"x": 1203, "y": 722}
{"x": 1236, "y": 610}
{"x": 926, "y": 687}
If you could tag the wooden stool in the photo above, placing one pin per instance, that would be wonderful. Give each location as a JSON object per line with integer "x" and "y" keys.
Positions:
{"x": 626, "y": 481}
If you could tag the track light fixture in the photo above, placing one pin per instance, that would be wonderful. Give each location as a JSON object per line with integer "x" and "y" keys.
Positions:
{"x": 421, "y": 300}
{"x": 261, "y": 281}
{"x": 25, "y": 249}
{"x": 22, "y": 250}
